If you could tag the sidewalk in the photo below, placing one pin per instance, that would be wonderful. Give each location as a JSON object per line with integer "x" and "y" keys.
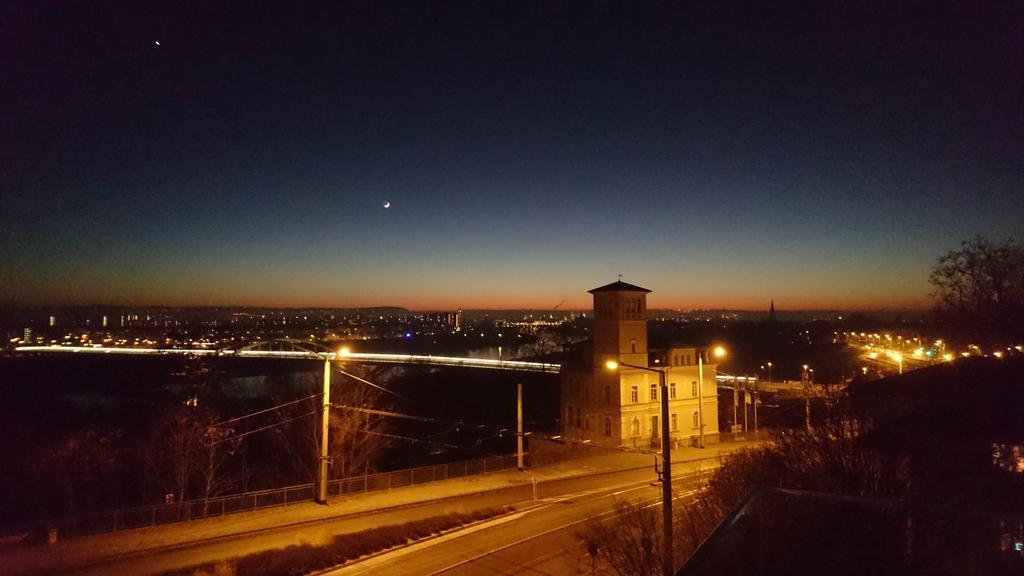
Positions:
{"x": 91, "y": 549}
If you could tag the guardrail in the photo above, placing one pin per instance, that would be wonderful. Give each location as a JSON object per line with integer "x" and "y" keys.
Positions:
{"x": 159, "y": 514}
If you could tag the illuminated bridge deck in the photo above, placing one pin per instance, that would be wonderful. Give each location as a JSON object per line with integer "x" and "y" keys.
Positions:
{"x": 515, "y": 365}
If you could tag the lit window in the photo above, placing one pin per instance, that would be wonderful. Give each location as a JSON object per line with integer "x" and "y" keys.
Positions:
{"x": 672, "y": 390}
{"x": 634, "y": 394}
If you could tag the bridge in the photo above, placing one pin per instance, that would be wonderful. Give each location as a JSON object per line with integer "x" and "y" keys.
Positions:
{"x": 291, "y": 349}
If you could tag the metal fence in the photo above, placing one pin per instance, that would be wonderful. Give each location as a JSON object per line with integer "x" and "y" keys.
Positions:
{"x": 159, "y": 514}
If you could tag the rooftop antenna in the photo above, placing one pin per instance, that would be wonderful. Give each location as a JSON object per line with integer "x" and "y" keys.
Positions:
{"x": 620, "y": 277}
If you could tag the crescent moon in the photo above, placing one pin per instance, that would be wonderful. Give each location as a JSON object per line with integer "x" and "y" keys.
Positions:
{"x": 387, "y": 204}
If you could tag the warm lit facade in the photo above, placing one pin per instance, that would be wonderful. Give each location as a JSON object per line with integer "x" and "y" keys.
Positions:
{"x": 623, "y": 406}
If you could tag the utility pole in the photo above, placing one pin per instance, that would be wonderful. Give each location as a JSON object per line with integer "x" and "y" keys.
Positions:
{"x": 667, "y": 561}
{"x": 807, "y": 398}
{"x": 321, "y": 496}
{"x": 746, "y": 400}
{"x": 735, "y": 404}
{"x": 700, "y": 398}
{"x": 668, "y": 564}
{"x": 755, "y": 406}
{"x": 519, "y": 425}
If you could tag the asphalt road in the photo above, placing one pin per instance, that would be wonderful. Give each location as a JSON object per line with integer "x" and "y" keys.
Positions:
{"x": 540, "y": 539}
{"x": 542, "y": 531}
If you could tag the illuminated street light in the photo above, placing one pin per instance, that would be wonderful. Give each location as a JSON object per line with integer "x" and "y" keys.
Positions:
{"x": 667, "y": 562}
{"x": 899, "y": 360}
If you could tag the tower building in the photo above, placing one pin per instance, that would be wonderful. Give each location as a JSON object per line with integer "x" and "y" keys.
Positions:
{"x": 622, "y": 407}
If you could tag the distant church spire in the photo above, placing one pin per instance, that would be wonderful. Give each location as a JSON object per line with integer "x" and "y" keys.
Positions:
{"x": 771, "y": 312}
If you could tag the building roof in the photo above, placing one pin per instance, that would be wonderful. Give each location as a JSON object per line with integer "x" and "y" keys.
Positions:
{"x": 618, "y": 286}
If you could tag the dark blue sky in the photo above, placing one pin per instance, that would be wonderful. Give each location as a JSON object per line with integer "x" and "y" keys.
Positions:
{"x": 818, "y": 153}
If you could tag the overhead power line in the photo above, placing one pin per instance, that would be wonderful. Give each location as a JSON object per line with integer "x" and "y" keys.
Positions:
{"x": 258, "y": 412}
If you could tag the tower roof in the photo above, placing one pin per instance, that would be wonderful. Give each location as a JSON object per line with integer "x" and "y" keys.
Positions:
{"x": 618, "y": 286}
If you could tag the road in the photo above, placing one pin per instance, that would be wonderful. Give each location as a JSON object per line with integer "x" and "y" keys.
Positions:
{"x": 560, "y": 503}
{"x": 540, "y": 539}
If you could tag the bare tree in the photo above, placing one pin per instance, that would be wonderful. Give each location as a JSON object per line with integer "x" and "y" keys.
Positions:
{"x": 357, "y": 433}
{"x": 629, "y": 544}
{"x": 828, "y": 458}
{"x": 84, "y": 465}
{"x": 356, "y": 430}
{"x": 190, "y": 454}
{"x": 982, "y": 284}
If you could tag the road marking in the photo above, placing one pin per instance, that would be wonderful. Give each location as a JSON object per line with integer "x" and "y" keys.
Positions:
{"x": 655, "y": 502}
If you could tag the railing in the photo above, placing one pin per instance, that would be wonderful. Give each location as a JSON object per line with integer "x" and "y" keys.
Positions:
{"x": 159, "y": 514}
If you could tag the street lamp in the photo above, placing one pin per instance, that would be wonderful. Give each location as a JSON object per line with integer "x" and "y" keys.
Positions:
{"x": 719, "y": 352}
{"x": 899, "y": 361}
{"x": 667, "y": 563}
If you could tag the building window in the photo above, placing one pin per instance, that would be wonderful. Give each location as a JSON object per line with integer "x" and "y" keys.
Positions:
{"x": 675, "y": 359}
{"x": 586, "y": 422}
{"x": 654, "y": 427}
{"x": 696, "y": 419}
{"x": 607, "y": 393}
{"x": 579, "y": 418}
{"x": 632, "y": 345}
{"x": 654, "y": 392}
{"x": 675, "y": 422}
{"x": 689, "y": 360}
{"x": 634, "y": 394}
{"x": 607, "y": 426}
{"x": 636, "y": 427}
{"x": 672, "y": 390}
{"x": 568, "y": 415}
{"x": 693, "y": 389}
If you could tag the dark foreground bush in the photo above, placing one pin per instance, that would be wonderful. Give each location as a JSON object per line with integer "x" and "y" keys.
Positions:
{"x": 299, "y": 560}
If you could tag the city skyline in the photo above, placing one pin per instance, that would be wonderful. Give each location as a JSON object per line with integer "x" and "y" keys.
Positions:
{"x": 504, "y": 156}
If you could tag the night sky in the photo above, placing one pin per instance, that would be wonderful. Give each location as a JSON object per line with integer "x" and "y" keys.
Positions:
{"x": 821, "y": 153}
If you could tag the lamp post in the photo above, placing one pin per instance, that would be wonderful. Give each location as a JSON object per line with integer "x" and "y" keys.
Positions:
{"x": 321, "y": 494}
{"x": 756, "y": 395}
{"x": 718, "y": 352}
{"x": 667, "y": 563}
{"x": 899, "y": 361}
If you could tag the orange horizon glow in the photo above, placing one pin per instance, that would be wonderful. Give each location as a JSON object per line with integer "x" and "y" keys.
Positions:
{"x": 535, "y": 303}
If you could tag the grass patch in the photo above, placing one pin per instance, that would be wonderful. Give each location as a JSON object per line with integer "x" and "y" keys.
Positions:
{"x": 299, "y": 560}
